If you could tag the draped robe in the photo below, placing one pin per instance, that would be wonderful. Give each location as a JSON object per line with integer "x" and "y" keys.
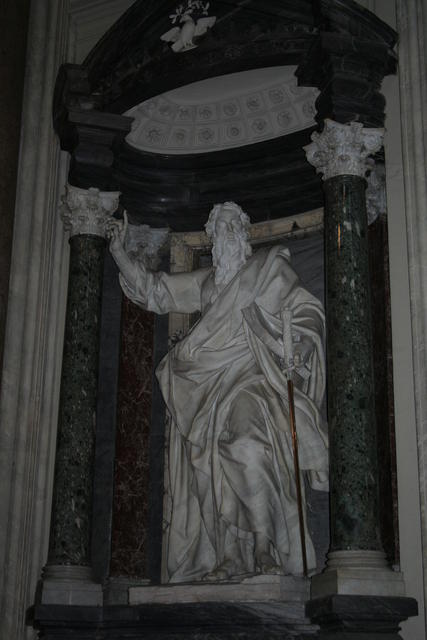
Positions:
{"x": 230, "y": 452}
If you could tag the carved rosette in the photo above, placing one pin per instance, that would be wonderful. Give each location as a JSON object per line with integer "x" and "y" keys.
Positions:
{"x": 343, "y": 149}
{"x": 86, "y": 211}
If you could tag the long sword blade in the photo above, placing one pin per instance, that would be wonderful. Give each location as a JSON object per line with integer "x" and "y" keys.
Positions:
{"x": 289, "y": 367}
{"x": 297, "y": 473}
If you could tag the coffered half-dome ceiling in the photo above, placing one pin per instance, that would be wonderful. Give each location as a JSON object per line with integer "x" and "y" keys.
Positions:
{"x": 222, "y": 113}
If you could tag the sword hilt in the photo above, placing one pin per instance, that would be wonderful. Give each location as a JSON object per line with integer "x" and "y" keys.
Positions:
{"x": 288, "y": 352}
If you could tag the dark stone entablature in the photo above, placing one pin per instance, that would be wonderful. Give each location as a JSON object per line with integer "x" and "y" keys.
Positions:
{"x": 91, "y": 136}
{"x": 269, "y": 180}
{"x": 347, "y": 62}
{"x": 348, "y": 71}
{"x": 131, "y": 64}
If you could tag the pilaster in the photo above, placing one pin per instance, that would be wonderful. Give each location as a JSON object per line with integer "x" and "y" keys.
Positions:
{"x": 412, "y": 25}
{"x": 34, "y": 328}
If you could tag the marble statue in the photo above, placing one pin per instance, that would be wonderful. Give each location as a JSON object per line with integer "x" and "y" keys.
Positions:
{"x": 234, "y": 510}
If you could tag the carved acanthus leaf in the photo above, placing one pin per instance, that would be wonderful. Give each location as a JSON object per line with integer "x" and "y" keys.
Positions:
{"x": 86, "y": 211}
{"x": 343, "y": 149}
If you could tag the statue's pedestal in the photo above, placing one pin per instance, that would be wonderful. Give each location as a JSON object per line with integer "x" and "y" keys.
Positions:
{"x": 259, "y": 608}
{"x": 178, "y": 621}
{"x": 255, "y": 589}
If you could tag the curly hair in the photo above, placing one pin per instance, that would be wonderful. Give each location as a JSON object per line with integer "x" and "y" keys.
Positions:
{"x": 244, "y": 219}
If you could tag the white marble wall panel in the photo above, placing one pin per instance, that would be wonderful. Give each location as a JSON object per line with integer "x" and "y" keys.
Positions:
{"x": 34, "y": 332}
{"x": 59, "y": 31}
{"x": 412, "y": 27}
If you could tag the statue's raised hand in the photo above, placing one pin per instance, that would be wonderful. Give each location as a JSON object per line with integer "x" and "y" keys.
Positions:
{"x": 116, "y": 232}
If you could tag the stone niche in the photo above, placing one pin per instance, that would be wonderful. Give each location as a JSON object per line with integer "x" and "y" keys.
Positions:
{"x": 177, "y": 120}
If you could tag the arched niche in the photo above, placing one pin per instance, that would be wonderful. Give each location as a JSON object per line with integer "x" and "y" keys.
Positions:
{"x": 119, "y": 113}
{"x": 334, "y": 51}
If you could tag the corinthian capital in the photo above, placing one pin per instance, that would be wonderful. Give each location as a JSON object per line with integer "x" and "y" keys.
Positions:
{"x": 85, "y": 211}
{"x": 343, "y": 149}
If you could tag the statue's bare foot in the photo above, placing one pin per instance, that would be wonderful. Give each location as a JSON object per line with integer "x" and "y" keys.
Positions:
{"x": 266, "y": 564}
{"x": 224, "y": 571}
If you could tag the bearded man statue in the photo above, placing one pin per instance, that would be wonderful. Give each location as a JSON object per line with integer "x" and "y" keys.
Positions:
{"x": 232, "y": 480}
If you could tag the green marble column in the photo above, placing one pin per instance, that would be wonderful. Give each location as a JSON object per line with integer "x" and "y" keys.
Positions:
{"x": 72, "y": 497}
{"x": 351, "y": 412}
{"x": 84, "y": 213}
{"x": 356, "y": 562}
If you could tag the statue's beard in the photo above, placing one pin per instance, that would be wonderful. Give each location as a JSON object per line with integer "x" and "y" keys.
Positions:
{"x": 228, "y": 257}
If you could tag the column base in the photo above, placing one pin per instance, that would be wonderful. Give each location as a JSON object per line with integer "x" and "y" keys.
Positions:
{"x": 361, "y": 573}
{"x": 70, "y": 585}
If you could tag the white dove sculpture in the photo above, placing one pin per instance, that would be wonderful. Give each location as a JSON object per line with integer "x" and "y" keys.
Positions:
{"x": 182, "y": 37}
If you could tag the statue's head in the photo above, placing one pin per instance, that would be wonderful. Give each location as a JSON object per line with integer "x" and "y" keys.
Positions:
{"x": 227, "y": 215}
{"x": 228, "y": 228}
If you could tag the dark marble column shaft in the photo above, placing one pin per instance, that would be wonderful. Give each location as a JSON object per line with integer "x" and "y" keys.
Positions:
{"x": 341, "y": 153}
{"x": 85, "y": 214}
{"x": 72, "y": 499}
{"x": 351, "y": 412}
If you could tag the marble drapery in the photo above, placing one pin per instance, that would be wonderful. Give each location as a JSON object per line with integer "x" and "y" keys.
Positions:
{"x": 230, "y": 451}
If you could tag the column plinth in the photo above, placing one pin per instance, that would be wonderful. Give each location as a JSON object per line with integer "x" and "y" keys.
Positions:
{"x": 67, "y": 577}
{"x": 356, "y": 562}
